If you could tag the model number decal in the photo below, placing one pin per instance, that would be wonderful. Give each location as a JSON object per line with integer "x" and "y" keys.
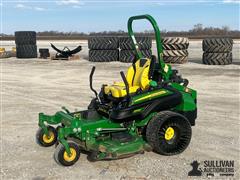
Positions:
{"x": 150, "y": 96}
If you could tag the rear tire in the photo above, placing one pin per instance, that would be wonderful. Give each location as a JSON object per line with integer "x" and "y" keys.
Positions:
{"x": 175, "y": 56}
{"x": 126, "y": 43}
{"x": 103, "y": 43}
{"x": 25, "y": 37}
{"x": 174, "y": 53}
{"x": 175, "y": 43}
{"x": 217, "y": 58}
{"x": 103, "y": 55}
{"x": 127, "y": 56}
{"x": 175, "y": 60}
{"x": 213, "y": 45}
{"x": 26, "y": 51}
{"x": 169, "y": 133}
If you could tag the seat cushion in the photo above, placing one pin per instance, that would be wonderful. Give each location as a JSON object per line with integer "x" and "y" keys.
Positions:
{"x": 118, "y": 90}
{"x": 108, "y": 87}
{"x": 137, "y": 78}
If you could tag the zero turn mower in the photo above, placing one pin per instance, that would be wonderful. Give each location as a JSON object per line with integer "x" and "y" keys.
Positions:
{"x": 152, "y": 109}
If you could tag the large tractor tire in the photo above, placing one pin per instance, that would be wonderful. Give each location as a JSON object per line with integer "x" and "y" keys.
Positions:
{"x": 217, "y": 58}
{"x": 175, "y": 59}
{"x": 103, "y": 55}
{"x": 174, "y": 53}
{"x": 175, "y": 43}
{"x": 103, "y": 43}
{"x": 213, "y": 45}
{"x": 26, "y": 51}
{"x": 127, "y": 56}
{"x": 25, "y": 37}
{"x": 175, "y": 56}
{"x": 125, "y": 43}
{"x": 169, "y": 133}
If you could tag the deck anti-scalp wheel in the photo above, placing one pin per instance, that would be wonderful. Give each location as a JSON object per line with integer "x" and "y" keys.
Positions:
{"x": 61, "y": 156}
{"x": 46, "y": 140}
{"x": 169, "y": 133}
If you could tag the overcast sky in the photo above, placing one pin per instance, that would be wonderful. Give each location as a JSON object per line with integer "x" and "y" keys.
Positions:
{"x": 100, "y": 15}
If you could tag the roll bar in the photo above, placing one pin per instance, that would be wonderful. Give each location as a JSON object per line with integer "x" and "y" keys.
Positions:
{"x": 157, "y": 36}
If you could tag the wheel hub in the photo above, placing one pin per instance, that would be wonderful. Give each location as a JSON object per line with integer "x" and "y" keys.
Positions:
{"x": 48, "y": 139}
{"x": 169, "y": 133}
{"x": 71, "y": 157}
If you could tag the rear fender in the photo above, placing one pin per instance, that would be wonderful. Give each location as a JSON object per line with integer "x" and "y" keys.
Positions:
{"x": 189, "y": 98}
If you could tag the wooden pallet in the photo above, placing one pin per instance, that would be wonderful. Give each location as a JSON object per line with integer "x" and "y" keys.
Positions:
{"x": 73, "y": 57}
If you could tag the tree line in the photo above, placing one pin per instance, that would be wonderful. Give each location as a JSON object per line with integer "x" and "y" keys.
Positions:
{"x": 198, "y": 31}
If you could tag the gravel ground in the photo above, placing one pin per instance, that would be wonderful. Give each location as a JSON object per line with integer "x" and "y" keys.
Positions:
{"x": 33, "y": 86}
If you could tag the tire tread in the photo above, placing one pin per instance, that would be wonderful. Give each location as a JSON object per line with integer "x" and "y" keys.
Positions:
{"x": 214, "y": 45}
{"x": 103, "y": 43}
{"x": 217, "y": 58}
{"x": 127, "y": 56}
{"x": 144, "y": 43}
{"x": 103, "y": 55}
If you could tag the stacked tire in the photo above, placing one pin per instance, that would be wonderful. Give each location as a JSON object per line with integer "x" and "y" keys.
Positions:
{"x": 217, "y": 51}
{"x": 127, "y": 53}
{"x": 103, "y": 49}
{"x": 26, "y": 44}
{"x": 175, "y": 50}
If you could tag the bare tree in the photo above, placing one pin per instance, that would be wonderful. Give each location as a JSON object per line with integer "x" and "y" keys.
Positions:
{"x": 198, "y": 27}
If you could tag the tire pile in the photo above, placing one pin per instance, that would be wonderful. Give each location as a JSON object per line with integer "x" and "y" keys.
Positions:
{"x": 103, "y": 49}
{"x": 127, "y": 53}
{"x": 26, "y": 44}
{"x": 175, "y": 50}
{"x": 106, "y": 49}
{"x": 217, "y": 51}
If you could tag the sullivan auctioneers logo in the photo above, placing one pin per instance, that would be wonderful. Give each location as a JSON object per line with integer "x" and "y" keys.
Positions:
{"x": 217, "y": 168}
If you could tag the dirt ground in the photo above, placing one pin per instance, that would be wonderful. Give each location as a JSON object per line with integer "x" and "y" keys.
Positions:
{"x": 32, "y": 86}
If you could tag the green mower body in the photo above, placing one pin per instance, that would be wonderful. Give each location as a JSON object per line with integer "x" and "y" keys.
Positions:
{"x": 157, "y": 118}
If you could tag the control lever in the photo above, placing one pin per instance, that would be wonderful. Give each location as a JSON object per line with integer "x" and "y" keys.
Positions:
{"x": 126, "y": 84}
{"x": 91, "y": 80}
{"x": 185, "y": 82}
{"x": 66, "y": 110}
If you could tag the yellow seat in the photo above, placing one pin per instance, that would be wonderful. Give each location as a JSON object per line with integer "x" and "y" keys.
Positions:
{"x": 138, "y": 79}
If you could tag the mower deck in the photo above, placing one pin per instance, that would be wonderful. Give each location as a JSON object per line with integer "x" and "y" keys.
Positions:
{"x": 115, "y": 149}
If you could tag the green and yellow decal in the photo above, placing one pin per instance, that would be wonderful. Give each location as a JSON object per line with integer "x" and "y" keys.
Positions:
{"x": 149, "y": 96}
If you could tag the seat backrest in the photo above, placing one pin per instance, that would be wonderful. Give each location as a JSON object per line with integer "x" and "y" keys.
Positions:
{"x": 138, "y": 73}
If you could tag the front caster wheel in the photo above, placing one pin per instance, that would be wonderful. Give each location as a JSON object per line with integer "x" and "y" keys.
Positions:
{"x": 44, "y": 140}
{"x": 61, "y": 156}
{"x": 93, "y": 156}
